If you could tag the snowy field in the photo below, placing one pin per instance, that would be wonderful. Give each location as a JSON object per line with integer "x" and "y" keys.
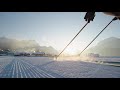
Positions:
{"x": 44, "y": 67}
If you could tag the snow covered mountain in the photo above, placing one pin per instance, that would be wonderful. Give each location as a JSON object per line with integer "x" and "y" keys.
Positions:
{"x": 107, "y": 47}
{"x": 24, "y": 45}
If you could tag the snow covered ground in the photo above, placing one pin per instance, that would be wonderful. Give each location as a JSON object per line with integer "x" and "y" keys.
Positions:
{"x": 44, "y": 67}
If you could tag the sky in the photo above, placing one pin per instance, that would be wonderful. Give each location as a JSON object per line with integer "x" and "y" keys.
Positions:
{"x": 56, "y": 29}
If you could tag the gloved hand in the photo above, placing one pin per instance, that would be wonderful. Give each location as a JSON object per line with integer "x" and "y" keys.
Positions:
{"x": 116, "y": 18}
{"x": 89, "y": 16}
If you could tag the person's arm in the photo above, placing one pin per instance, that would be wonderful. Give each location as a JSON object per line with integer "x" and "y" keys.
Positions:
{"x": 116, "y": 14}
{"x": 90, "y": 15}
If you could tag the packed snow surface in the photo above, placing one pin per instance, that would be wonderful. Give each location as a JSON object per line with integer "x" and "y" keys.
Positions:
{"x": 46, "y": 67}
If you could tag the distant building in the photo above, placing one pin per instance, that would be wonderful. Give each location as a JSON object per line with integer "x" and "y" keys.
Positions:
{"x": 38, "y": 54}
{"x": 21, "y": 54}
{"x": 3, "y": 53}
{"x": 92, "y": 55}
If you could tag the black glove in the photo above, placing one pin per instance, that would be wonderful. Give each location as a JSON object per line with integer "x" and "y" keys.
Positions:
{"x": 116, "y": 18}
{"x": 89, "y": 16}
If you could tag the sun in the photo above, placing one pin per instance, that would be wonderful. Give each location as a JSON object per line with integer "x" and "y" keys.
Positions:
{"x": 71, "y": 51}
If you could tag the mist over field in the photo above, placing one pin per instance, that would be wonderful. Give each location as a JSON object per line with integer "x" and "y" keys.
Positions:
{"x": 24, "y": 46}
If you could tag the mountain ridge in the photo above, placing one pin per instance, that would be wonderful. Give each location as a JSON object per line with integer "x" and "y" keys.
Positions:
{"x": 107, "y": 47}
{"x": 24, "y": 45}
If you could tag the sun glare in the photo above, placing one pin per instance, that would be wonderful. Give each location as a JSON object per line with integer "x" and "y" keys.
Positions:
{"x": 71, "y": 51}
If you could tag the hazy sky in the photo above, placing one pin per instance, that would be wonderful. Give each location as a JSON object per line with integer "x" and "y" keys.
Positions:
{"x": 56, "y": 28}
